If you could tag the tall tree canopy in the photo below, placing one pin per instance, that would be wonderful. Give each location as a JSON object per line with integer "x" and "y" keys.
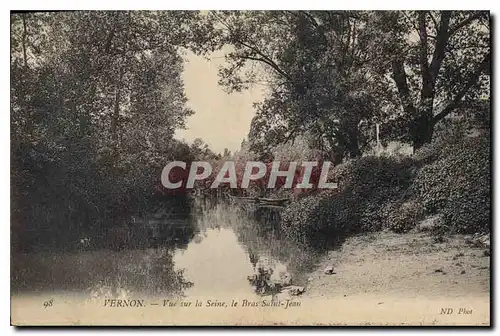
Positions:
{"x": 333, "y": 75}
{"x": 434, "y": 63}
{"x": 313, "y": 64}
{"x": 96, "y": 99}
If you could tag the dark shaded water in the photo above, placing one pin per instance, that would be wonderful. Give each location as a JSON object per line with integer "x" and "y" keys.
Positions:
{"x": 213, "y": 251}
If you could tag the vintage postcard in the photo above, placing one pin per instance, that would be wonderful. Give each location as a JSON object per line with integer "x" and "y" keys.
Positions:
{"x": 250, "y": 168}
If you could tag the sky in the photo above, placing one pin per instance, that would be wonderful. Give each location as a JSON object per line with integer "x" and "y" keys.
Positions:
{"x": 221, "y": 120}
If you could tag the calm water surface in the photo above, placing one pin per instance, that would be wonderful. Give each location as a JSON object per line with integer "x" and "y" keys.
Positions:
{"x": 215, "y": 257}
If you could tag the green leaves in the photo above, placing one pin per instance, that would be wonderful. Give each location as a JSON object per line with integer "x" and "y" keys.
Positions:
{"x": 370, "y": 196}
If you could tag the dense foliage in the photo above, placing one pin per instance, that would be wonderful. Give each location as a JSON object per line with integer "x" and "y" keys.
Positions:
{"x": 366, "y": 186}
{"x": 334, "y": 75}
{"x": 457, "y": 185}
{"x": 96, "y": 99}
{"x": 451, "y": 179}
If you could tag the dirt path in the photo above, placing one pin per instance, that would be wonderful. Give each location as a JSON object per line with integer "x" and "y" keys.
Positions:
{"x": 410, "y": 264}
{"x": 403, "y": 268}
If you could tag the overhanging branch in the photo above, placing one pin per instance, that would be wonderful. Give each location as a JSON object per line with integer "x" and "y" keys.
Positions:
{"x": 465, "y": 22}
{"x": 472, "y": 80}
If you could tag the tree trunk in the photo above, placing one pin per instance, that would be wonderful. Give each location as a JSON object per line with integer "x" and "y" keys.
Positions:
{"x": 337, "y": 158}
{"x": 29, "y": 113}
{"x": 353, "y": 150}
{"x": 334, "y": 148}
{"x": 352, "y": 145}
{"x": 422, "y": 130}
{"x": 115, "y": 115}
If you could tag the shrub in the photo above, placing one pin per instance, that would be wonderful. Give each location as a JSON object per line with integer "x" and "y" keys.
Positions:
{"x": 365, "y": 186}
{"x": 300, "y": 221}
{"x": 402, "y": 217}
{"x": 372, "y": 182}
{"x": 319, "y": 220}
{"x": 457, "y": 185}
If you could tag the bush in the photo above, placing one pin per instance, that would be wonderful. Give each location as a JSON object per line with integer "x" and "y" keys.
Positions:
{"x": 402, "y": 217}
{"x": 457, "y": 184}
{"x": 319, "y": 220}
{"x": 299, "y": 220}
{"x": 372, "y": 182}
{"x": 450, "y": 178}
{"x": 365, "y": 186}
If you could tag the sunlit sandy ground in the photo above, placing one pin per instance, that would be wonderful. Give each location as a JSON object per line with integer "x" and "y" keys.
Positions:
{"x": 380, "y": 279}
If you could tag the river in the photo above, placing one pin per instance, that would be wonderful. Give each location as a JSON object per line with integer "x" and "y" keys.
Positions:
{"x": 217, "y": 256}
{"x": 379, "y": 281}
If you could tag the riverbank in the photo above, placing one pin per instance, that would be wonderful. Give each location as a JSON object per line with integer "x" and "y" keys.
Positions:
{"x": 414, "y": 271}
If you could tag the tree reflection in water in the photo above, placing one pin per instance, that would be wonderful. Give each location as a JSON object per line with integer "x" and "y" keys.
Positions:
{"x": 148, "y": 268}
{"x": 276, "y": 261}
{"x": 143, "y": 267}
{"x": 154, "y": 275}
{"x": 261, "y": 234}
{"x": 149, "y": 271}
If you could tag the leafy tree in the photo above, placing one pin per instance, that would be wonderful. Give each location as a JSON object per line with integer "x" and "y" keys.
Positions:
{"x": 96, "y": 98}
{"x": 313, "y": 64}
{"x": 432, "y": 62}
{"x": 333, "y": 75}
{"x": 201, "y": 151}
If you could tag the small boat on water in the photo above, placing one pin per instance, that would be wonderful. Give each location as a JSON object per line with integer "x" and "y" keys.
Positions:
{"x": 259, "y": 201}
